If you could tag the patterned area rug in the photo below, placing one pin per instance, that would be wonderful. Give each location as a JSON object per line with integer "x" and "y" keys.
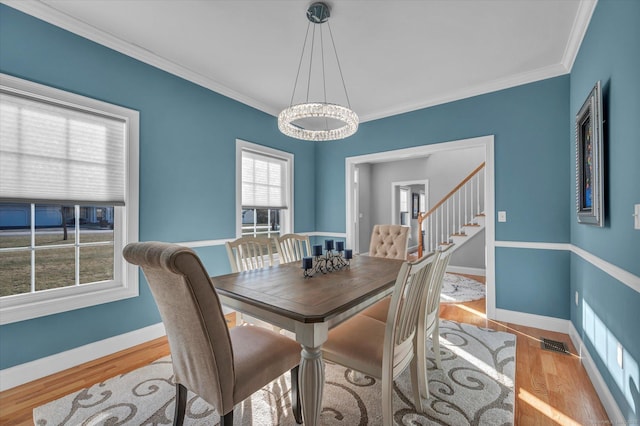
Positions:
{"x": 475, "y": 387}
{"x": 457, "y": 289}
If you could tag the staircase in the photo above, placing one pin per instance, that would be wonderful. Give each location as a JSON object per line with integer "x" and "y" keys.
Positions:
{"x": 455, "y": 218}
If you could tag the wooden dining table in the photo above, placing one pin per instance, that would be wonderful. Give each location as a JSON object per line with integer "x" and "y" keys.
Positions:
{"x": 308, "y": 307}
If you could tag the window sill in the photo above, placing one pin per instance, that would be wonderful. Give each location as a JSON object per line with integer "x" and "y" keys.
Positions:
{"x": 23, "y": 307}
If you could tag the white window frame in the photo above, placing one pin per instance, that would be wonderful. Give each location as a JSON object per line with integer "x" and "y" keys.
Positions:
{"x": 26, "y": 306}
{"x": 406, "y": 191}
{"x": 286, "y": 215}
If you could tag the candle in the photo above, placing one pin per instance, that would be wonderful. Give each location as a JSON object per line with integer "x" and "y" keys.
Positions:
{"x": 340, "y": 245}
{"x": 348, "y": 254}
{"x": 328, "y": 244}
{"x": 307, "y": 263}
{"x": 317, "y": 250}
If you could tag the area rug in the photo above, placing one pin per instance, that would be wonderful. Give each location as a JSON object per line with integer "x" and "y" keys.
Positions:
{"x": 458, "y": 289}
{"x": 475, "y": 387}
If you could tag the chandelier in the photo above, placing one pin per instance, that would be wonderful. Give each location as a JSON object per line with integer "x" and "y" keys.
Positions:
{"x": 319, "y": 120}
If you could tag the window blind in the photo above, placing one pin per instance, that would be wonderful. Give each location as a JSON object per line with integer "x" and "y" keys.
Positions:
{"x": 55, "y": 152}
{"x": 263, "y": 181}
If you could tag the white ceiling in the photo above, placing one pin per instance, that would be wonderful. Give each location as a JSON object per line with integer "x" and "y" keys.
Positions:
{"x": 396, "y": 55}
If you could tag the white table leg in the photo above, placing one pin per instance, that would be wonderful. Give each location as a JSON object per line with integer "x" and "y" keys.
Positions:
{"x": 311, "y": 383}
{"x": 311, "y": 336}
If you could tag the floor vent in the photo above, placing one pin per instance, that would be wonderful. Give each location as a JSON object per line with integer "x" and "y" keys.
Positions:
{"x": 555, "y": 346}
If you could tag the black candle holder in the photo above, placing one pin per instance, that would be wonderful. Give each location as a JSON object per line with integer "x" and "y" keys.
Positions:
{"x": 327, "y": 262}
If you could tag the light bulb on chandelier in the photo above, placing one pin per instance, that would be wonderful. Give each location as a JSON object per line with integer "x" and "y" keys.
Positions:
{"x": 318, "y": 121}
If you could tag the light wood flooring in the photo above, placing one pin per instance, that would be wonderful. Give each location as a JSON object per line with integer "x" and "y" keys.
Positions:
{"x": 551, "y": 388}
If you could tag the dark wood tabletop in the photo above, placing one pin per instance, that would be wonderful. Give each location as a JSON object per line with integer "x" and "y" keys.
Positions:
{"x": 285, "y": 291}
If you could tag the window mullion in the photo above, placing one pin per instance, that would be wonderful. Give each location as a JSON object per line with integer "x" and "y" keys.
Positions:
{"x": 255, "y": 222}
{"x": 76, "y": 231}
{"x": 33, "y": 248}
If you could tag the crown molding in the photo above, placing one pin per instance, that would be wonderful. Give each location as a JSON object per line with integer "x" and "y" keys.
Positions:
{"x": 468, "y": 92}
{"x": 48, "y": 14}
{"x": 52, "y": 16}
{"x": 578, "y": 31}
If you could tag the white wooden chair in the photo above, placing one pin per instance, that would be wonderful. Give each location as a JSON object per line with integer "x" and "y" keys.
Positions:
{"x": 429, "y": 318}
{"x": 293, "y": 247}
{"x": 385, "y": 349}
{"x": 249, "y": 253}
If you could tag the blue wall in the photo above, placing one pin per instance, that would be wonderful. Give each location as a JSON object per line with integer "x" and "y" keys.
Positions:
{"x": 609, "y": 311}
{"x": 187, "y": 151}
{"x": 531, "y": 150}
{"x": 187, "y": 164}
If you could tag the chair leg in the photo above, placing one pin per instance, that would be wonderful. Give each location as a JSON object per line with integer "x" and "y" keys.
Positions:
{"x": 435, "y": 338}
{"x": 415, "y": 385}
{"x": 420, "y": 357}
{"x": 296, "y": 406}
{"x": 181, "y": 405}
{"x": 227, "y": 419}
{"x": 387, "y": 402}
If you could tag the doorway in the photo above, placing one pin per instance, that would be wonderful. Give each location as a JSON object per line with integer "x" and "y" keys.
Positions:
{"x": 409, "y": 198}
{"x": 356, "y": 232}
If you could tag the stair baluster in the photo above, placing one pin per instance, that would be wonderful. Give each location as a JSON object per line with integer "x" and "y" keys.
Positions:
{"x": 470, "y": 203}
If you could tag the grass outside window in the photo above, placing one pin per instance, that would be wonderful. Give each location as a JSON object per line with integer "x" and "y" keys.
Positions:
{"x": 54, "y": 266}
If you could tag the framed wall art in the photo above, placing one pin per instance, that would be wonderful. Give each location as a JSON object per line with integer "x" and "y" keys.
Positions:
{"x": 415, "y": 205}
{"x": 589, "y": 161}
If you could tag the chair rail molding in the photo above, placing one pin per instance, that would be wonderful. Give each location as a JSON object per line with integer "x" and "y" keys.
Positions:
{"x": 625, "y": 277}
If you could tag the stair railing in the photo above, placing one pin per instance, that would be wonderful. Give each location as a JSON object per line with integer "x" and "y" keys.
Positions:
{"x": 455, "y": 210}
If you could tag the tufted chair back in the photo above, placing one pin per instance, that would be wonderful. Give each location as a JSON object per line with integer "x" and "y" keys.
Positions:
{"x": 222, "y": 366}
{"x": 389, "y": 241}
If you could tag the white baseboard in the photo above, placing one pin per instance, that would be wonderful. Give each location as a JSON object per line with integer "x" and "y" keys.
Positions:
{"x": 29, "y": 371}
{"x": 466, "y": 270}
{"x": 567, "y": 327}
{"x": 533, "y": 320}
{"x": 608, "y": 401}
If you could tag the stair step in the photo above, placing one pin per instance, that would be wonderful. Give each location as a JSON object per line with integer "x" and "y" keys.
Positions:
{"x": 462, "y": 234}
{"x": 472, "y": 224}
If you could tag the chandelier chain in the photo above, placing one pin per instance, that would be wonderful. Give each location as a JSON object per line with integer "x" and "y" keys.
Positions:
{"x": 344, "y": 86}
{"x": 300, "y": 64}
{"x": 324, "y": 79}
{"x": 313, "y": 43}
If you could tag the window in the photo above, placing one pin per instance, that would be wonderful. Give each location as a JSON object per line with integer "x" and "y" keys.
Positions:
{"x": 265, "y": 190}
{"x": 68, "y": 200}
{"x": 404, "y": 206}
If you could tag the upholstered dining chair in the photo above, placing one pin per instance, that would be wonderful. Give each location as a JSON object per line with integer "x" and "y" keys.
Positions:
{"x": 249, "y": 253}
{"x": 385, "y": 349}
{"x": 293, "y": 247}
{"x": 222, "y": 366}
{"x": 389, "y": 241}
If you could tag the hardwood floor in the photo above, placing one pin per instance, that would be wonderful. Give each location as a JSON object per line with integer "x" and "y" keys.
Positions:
{"x": 551, "y": 388}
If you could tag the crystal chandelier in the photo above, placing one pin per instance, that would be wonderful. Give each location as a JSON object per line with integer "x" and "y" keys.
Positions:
{"x": 318, "y": 121}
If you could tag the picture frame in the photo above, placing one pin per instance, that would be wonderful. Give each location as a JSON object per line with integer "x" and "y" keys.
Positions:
{"x": 589, "y": 161}
{"x": 415, "y": 205}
